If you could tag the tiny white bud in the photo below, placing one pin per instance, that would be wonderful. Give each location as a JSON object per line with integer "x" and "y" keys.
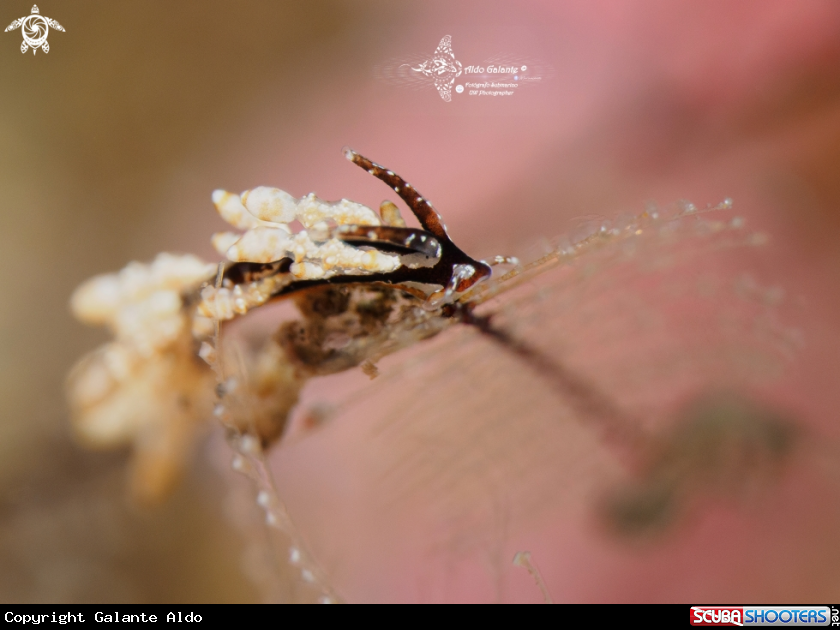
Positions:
{"x": 260, "y": 245}
{"x": 230, "y": 207}
{"x": 249, "y": 444}
{"x": 207, "y": 352}
{"x": 306, "y": 271}
{"x": 223, "y": 241}
{"x": 294, "y": 555}
{"x": 96, "y": 301}
{"x": 270, "y": 204}
{"x": 263, "y": 498}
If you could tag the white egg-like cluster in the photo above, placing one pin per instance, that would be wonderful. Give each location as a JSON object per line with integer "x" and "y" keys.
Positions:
{"x": 142, "y": 304}
{"x": 145, "y": 387}
{"x": 265, "y": 215}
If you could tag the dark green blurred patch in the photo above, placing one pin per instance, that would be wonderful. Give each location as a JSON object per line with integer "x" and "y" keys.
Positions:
{"x": 723, "y": 446}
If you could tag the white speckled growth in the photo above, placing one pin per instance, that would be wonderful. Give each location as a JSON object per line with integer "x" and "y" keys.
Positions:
{"x": 265, "y": 214}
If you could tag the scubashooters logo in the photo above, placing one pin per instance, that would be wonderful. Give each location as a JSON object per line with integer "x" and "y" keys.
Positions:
{"x": 760, "y": 616}
{"x": 499, "y": 76}
{"x": 35, "y": 28}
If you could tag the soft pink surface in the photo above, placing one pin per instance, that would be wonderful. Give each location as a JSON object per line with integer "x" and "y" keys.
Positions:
{"x": 649, "y": 100}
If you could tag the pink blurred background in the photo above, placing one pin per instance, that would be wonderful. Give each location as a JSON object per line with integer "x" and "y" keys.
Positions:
{"x": 111, "y": 144}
